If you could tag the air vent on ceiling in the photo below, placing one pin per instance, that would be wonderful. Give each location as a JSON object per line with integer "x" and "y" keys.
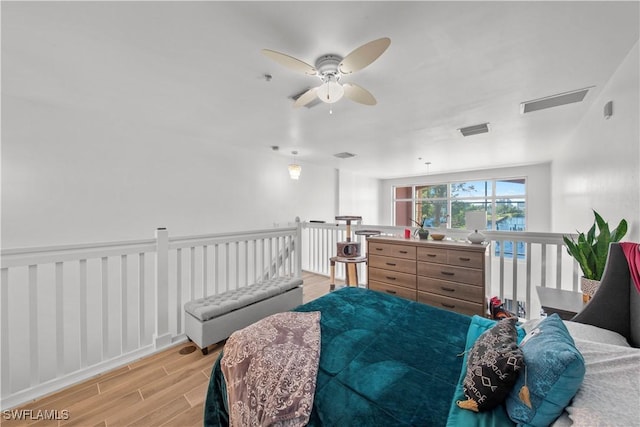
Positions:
{"x": 344, "y": 155}
{"x": 313, "y": 103}
{"x": 554, "y": 100}
{"x": 475, "y": 129}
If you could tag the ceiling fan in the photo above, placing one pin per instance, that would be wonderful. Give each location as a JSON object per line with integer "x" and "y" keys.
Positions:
{"x": 330, "y": 68}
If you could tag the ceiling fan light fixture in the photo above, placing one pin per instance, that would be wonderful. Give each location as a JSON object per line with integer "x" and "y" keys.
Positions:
{"x": 330, "y": 91}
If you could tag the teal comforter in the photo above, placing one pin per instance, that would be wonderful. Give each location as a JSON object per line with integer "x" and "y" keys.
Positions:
{"x": 384, "y": 361}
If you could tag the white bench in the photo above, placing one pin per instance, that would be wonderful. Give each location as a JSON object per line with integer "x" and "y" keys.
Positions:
{"x": 212, "y": 319}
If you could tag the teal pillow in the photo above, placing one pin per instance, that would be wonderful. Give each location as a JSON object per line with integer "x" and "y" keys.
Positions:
{"x": 554, "y": 372}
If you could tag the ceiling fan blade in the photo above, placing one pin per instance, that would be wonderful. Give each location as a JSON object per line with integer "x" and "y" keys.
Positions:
{"x": 358, "y": 94}
{"x": 290, "y": 62}
{"x": 364, "y": 55}
{"x": 306, "y": 97}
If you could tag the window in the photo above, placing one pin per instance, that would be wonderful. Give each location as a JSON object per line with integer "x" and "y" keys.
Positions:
{"x": 445, "y": 204}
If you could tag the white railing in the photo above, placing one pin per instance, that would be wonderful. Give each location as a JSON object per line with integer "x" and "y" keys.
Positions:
{"x": 541, "y": 259}
{"x": 68, "y": 313}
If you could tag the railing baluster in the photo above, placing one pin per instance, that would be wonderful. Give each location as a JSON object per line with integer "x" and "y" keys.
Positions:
{"x": 59, "y": 319}
{"x": 226, "y": 266}
{"x": 178, "y": 286}
{"x": 5, "y": 380}
{"x": 514, "y": 276}
{"x": 246, "y": 262}
{"x": 501, "y": 293}
{"x": 104, "y": 269}
{"x": 84, "y": 303}
{"x": 237, "y": 246}
{"x": 192, "y": 273}
{"x": 216, "y": 269}
{"x": 141, "y": 298}
{"x": 543, "y": 266}
{"x": 33, "y": 324}
{"x": 558, "y": 266}
{"x": 205, "y": 278}
{"x": 528, "y": 281}
{"x": 124, "y": 305}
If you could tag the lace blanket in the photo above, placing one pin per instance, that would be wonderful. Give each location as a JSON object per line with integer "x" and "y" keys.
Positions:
{"x": 270, "y": 369}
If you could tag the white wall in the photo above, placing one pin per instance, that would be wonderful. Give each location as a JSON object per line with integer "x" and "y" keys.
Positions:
{"x": 599, "y": 167}
{"x": 538, "y": 190}
{"x": 359, "y": 196}
{"x": 70, "y": 176}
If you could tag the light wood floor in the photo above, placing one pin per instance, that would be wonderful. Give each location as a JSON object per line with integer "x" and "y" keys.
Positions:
{"x": 166, "y": 389}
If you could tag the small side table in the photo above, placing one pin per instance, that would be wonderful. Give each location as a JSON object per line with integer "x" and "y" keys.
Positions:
{"x": 352, "y": 270}
{"x": 566, "y": 303}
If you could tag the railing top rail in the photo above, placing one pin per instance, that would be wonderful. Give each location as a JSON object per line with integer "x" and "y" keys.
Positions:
{"x": 81, "y": 247}
{"x": 186, "y": 241}
{"x": 520, "y": 236}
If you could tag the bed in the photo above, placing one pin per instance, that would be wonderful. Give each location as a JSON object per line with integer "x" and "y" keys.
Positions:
{"x": 386, "y": 361}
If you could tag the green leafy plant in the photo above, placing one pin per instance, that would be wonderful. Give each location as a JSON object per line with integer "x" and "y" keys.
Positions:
{"x": 590, "y": 250}
{"x": 419, "y": 224}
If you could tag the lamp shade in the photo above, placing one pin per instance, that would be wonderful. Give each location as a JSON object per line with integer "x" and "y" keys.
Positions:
{"x": 294, "y": 171}
{"x": 476, "y": 220}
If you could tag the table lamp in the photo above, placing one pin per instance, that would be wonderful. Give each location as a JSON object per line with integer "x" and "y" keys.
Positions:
{"x": 476, "y": 220}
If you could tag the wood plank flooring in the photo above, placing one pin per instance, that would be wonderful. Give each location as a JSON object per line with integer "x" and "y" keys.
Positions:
{"x": 166, "y": 389}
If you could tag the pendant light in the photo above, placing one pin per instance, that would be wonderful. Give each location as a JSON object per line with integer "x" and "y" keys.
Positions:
{"x": 294, "y": 168}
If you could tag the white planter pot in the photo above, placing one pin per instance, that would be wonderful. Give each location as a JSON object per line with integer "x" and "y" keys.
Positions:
{"x": 588, "y": 288}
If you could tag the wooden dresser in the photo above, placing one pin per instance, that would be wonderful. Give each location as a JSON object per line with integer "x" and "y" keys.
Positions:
{"x": 445, "y": 274}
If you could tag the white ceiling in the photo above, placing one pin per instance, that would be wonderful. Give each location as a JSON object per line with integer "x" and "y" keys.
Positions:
{"x": 196, "y": 69}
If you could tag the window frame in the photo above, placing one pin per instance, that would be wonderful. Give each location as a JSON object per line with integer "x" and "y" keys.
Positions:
{"x": 493, "y": 199}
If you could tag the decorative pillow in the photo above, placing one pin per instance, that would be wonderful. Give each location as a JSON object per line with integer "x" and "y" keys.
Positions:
{"x": 554, "y": 372}
{"x": 493, "y": 365}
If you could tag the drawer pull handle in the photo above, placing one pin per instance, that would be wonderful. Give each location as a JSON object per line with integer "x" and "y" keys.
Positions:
{"x": 447, "y": 305}
{"x": 464, "y": 259}
{"x": 448, "y": 273}
{"x": 431, "y": 255}
{"x": 403, "y": 252}
{"x": 390, "y": 292}
{"x": 379, "y": 249}
{"x": 390, "y": 278}
{"x": 391, "y": 264}
{"x": 447, "y": 289}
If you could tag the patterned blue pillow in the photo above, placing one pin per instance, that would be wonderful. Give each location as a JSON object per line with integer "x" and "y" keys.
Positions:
{"x": 554, "y": 370}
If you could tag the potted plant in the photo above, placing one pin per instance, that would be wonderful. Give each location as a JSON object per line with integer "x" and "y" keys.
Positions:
{"x": 422, "y": 232}
{"x": 591, "y": 250}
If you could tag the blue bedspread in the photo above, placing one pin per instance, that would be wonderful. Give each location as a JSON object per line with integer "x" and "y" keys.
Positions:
{"x": 384, "y": 361}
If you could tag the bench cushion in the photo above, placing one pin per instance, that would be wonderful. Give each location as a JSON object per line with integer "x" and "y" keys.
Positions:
{"x": 217, "y": 305}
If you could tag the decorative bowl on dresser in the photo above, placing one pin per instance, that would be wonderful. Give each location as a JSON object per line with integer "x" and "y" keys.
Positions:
{"x": 445, "y": 274}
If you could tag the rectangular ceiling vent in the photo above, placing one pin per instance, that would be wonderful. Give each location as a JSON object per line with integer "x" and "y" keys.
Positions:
{"x": 475, "y": 129}
{"x": 311, "y": 104}
{"x": 344, "y": 155}
{"x": 554, "y": 100}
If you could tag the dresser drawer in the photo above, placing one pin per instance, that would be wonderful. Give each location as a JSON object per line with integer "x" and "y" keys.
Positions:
{"x": 451, "y": 289}
{"x": 451, "y": 273}
{"x": 393, "y": 290}
{"x": 397, "y": 251}
{"x": 466, "y": 258}
{"x": 392, "y": 277}
{"x": 438, "y": 255}
{"x": 459, "y": 306}
{"x": 396, "y": 264}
